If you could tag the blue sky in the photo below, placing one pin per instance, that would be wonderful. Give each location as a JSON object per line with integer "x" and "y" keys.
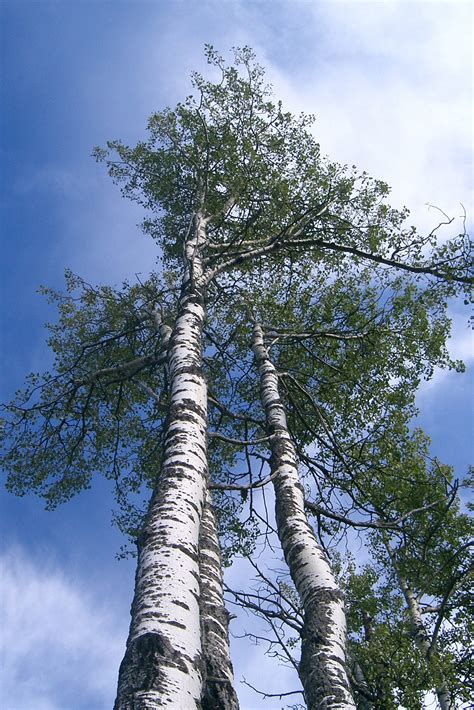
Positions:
{"x": 389, "y": 83}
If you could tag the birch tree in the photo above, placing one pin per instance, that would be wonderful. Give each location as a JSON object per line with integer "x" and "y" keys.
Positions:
{"x": 323, "y": 666}
{"x": 324, "y": 373}
{"x": 408, "y": 609}
{"x": 236, "y": 191}
{"x": 408, "y": 606}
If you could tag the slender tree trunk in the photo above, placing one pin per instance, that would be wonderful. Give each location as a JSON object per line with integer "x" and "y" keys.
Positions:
{"x": 323, "y": 666}
{"x": 218, "y": 688}
{"x": 361, "y": 685}
{"x": 419, "y": 632}
{"x": 163, "y": 659}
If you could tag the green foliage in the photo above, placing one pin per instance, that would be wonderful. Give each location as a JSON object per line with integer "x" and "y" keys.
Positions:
{"x": 233, "y": 153}
{"x": 420, "y": 564}
{"x": 89, "y": 414}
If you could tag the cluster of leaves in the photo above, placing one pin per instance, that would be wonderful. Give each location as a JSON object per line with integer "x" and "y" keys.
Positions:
{"x": 92, "y": 411}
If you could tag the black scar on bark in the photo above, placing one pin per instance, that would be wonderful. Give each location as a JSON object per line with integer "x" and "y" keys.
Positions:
{"x": 182, "y": 437}
{"x": 218, "y": 689}
{"x": 182, "y": 604}
{"x": 182, "y": 411}
{"x": 195, "y": 370}
{"x": 140, "y": 669}
{"x": 178, "y": 470}
{"x": 313, "y": 637}
{"x": 197, "y": 297}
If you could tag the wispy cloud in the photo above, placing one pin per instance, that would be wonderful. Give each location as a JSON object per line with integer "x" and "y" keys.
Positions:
{"x": 461, "y": 347}
{"x": 62, "y": 643}
{"x": 389, "y": 84}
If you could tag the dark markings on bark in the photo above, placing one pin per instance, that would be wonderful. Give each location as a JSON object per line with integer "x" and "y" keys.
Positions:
{"x": 185, "y": 410}
{"x": 218, "y": 689}
{"x": 182, "y": 437}
{"x": 176, "y": 470}
{"x": 188, "y": 370}
{"x": 275, "y": 403}
{"x": 323, "y": 596}
{"x": 170, "y": 622}
{"x": 186, "y": 551}
{"x": 197, "y": 295}
{"x": 182, "y": 604}
{"x": 196, "y": 575}
{"x": 313, "y": 659}
{"x": 323, "y": 674}
{"x": 140, "y": 668}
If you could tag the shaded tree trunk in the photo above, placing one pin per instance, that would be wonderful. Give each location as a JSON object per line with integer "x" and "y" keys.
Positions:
{"x": 419, "y": 632}
{"x": 323, "y": 666}
{"x": 358, "y": 678}
{"x": 218, "y": 688}
{"x": 162, "y": 665}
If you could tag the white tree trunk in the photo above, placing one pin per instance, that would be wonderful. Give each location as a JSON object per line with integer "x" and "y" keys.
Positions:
{"x": 218, "y": 690}
{"x": 323, "y": 666}
{"x": 419, "y": 632}
{"x": 163, "y": 659}
{"x": 361, "y": 684}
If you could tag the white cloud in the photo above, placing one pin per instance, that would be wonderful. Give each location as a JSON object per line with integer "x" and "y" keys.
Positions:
{"x": 387, "y": 80}
{"x": 62, "y": 643}
{"x": 388, "y": 83}
{"x": 461, "y": 344}
{"x": 461, "y": 347}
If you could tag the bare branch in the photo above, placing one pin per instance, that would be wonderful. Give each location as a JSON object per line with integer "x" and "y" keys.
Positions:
{"x": 273, "y": 695}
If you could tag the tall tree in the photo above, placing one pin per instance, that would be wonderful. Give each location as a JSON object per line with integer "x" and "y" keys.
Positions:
{"x": 409, "y": 607}
{"x": 236, "y": 191}
{"x": 323, "y": 666}
{"x": 219, "y": 691}
{"x": 349, "y": 391}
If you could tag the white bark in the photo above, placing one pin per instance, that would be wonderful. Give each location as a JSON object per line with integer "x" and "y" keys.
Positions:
{"x": 323, "y": 666}
{"x": 363, "y": 703}
{"x": 218, "y": 690}
{"x": 162, "y": 663}
{"x": 419, "y": 632}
